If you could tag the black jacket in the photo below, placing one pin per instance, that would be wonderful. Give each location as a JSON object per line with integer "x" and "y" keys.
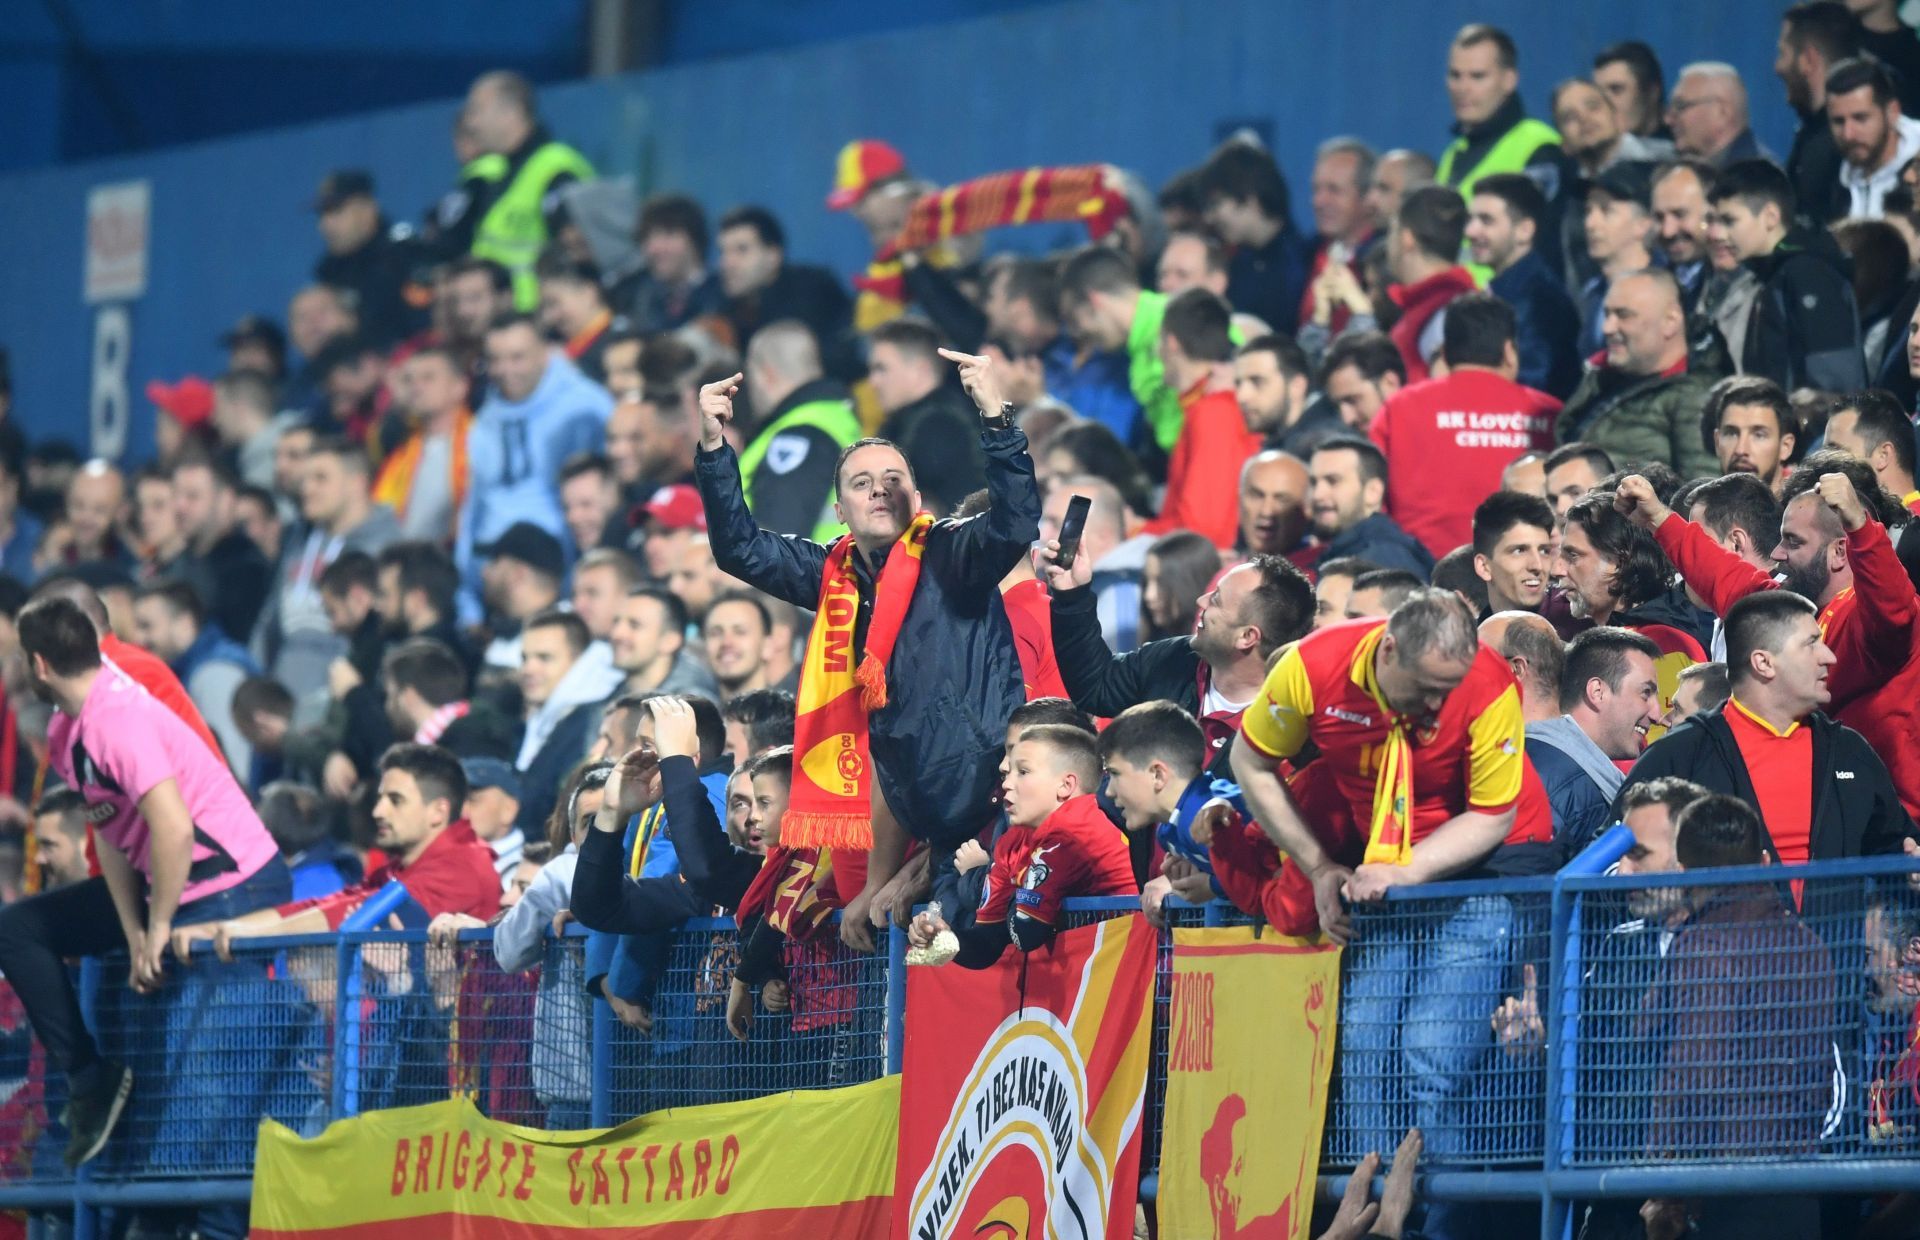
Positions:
{"x": 814, "y": 296}
{"x": 376, "y": 274}
{"x": 1548, "y": 325}
{"x": 232, "y": 580}
{"x": 1805, "y": 327}
{"x": 955, "y": 675}
{"x": 1813, "y": 165}
{"x": 540, "y": 781}
{"x": 1381, "y": 542}
{"x": 1856, "y": 811}
{"x": 939, "y": 434}
{"x": 606, "y": 898}
{"x": 1103, "y": 683}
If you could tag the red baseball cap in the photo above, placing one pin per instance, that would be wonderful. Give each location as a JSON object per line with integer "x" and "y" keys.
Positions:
{"x": 674, "y": 508}
{"x": 188, "y": 402}
{"x": 861, "y": 166}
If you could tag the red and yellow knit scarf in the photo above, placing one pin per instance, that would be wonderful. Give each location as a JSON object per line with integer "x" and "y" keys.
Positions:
{"x": 832, "y": 801}
{"x": 1390, "y": 833}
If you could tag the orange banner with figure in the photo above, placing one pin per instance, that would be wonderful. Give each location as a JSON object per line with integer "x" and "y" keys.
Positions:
{"x": 1249, "y": 1055}
{"x": 791, "y": 1166}
{"x": 1020, "y": 1109}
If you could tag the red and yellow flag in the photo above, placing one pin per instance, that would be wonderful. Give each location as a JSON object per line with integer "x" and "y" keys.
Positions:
{"x": 1249, "y": 1054}
{"x": 1020, "y": 1113}
{"x": 793, "y": 1166}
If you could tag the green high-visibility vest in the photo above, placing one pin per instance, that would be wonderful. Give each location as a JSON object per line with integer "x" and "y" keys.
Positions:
{"x": 514, "y": 229}
{"x": 1509, "y": 154}
{"x": 1147, "y": 375}
{"x": 833, "y": 418}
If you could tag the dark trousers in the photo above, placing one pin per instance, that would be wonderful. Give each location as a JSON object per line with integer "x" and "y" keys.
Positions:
{"x": 37, "y": 933}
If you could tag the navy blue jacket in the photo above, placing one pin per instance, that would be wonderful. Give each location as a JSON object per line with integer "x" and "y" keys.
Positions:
{"x": 955, "y": 675}
{"x": 1547, "y": 322}
{"x": 1581, "y": 808}
{"x": 1381, "y": 542}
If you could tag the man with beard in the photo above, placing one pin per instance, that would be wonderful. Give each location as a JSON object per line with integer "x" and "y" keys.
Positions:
{"x": 1612, "y": 573}
{"x": 1513, "y": 550}
{"x": 178, "y": 843}
{"x": 1754, "y": 428}
{"x": 1875, "y": 140}
{"x": 1346, "y": 492}
{"x": 1814, "y": 38}
{"x": 1834, "y": 551}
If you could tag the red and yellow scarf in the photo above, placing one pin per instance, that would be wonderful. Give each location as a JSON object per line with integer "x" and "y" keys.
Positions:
{"x": 394, "y": 484}
{"x": 1390, "y": 834}
{"x": 832, "y": 800}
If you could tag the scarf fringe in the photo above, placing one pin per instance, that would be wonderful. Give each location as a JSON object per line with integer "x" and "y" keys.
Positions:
{"x": 823, "y": 829}
{"x": 872, "y": 678}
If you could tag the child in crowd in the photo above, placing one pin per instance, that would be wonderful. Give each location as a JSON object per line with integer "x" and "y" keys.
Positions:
{"x": 1059, "y": 845}
{"x": 1154, "y": 756}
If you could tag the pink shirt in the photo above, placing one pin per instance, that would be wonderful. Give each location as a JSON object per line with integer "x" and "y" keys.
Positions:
{"x": 125, "y": 744}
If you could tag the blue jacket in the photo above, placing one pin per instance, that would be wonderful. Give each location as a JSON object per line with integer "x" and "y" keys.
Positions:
{"x": 213, "y": 646}
{"x": 955, "y": 674}
{"x": 514, "y": 453}
{"x": 1547, "y": 325}
{"x": 1097, "y": 389}
{"x": 1582, "y": 809}
{"x": 1176, "y": 836}
{"x": 16, "y": 554}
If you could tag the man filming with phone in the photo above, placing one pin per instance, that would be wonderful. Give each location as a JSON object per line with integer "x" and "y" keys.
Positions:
{"x": 911, "y": 669}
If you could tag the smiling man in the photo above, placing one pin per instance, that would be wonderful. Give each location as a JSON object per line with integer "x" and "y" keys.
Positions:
{"x": 1610, "y": 697}
{"x": 920, "y": 737}
{"x": 1513, "y": 550}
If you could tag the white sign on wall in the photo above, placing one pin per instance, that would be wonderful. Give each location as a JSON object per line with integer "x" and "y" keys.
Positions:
{"x": 117, "y": 233}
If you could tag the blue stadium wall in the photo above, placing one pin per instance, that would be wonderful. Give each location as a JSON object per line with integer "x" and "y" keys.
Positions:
{"x": 1148, "y": 85}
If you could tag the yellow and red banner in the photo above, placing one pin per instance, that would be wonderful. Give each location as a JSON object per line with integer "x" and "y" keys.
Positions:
{"x": 1020, "y": 1108}
{"x": 793, "y": 1166}
{"x": 1249, "y": 1054}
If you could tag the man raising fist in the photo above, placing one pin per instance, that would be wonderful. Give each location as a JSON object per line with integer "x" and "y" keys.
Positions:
{"x": 889, "y": 747}
{"x": 1834, "y": 551}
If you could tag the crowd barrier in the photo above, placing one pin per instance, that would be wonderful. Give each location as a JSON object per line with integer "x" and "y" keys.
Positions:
{"x": 1767, "y": 1045}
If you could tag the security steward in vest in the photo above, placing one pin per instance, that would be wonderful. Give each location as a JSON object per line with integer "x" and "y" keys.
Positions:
{"x": 1493, "y": 133}
{"x": 521, "y": 210}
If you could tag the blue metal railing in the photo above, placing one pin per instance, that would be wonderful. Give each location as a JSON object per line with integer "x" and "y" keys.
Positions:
{"x": 1713, "y": 1032}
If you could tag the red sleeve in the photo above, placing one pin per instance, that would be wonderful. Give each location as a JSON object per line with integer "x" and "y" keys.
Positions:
{"x": 1721, "y": 577}
{"x": 1243, "y": 860}
{"x": 1887, "y": 606}
{"x": 1201, "y": 493}
{"x": 996, "y": 898}
{"x": 473, "y": 889}
{"x": 1378, "y": 432}
{"x": 338, "y": 906}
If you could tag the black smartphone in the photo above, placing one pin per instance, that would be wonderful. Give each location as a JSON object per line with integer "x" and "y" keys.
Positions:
{"x": 1071, "y": 527}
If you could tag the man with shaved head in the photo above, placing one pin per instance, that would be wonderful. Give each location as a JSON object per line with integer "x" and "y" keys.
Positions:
{"x": 1708, "y": 115}
{"x": 804, "y": 420}
{"x": 1642, "y": 403}
{"x": 1273, "y": 504}
{"x": 95, "y": 499}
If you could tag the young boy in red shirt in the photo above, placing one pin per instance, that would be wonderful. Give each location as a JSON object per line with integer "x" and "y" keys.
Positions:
{"x": 1061, "y": 845}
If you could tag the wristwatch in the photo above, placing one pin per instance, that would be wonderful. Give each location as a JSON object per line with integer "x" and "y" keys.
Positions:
{"x": 1003, "y": 420}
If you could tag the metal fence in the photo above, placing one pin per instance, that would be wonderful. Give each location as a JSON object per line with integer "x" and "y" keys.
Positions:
{"x": 1724, "y": 1031}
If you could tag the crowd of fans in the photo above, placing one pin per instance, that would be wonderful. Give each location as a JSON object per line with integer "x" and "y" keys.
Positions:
{"x": 1561, "y": 480}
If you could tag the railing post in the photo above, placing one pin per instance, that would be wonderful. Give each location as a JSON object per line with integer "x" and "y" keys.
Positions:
{"x": 86, "y": 1216}
{"x": 1553, "y": 1212}
{"x": 600, "y": 1107}
{"x": 345, "y": 1029}
{"x": 896, "y": 995}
